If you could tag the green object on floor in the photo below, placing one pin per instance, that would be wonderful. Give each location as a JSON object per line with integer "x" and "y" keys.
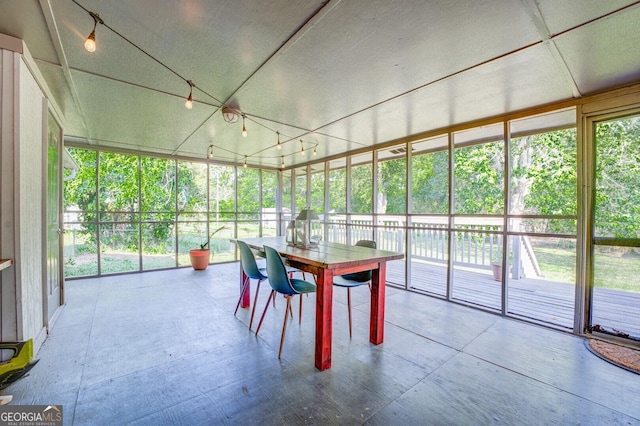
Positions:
{"x": 19, "y": 364}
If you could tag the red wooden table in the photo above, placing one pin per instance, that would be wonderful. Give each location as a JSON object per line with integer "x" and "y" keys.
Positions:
{"x": 325, "y": 261}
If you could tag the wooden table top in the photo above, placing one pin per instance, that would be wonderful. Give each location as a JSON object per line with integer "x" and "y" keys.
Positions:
{"x": 5, "y": 263}
{"x": 326, "y": 255}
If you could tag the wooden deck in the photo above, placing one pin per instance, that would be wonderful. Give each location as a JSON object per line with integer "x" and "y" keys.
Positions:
{"x": 536, "y": 299}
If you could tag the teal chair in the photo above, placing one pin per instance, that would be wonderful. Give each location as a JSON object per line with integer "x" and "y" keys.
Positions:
{"x": 354, "y": 280}
{"x": 281, "y": 283}
{"x": 252, "y": 271}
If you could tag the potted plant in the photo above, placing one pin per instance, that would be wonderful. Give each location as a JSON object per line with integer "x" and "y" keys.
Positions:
{"x": 496, "y": 265}
{"x": 200, "y": 256}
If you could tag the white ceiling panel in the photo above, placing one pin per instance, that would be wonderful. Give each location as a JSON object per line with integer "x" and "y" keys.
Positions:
{"x": 508, "y": 84}
{"x": 604, "y": 54}
{"x": 25, "y": 20}
{"x": 390, "y": 49}
{"x": 562, "y": 15}
{"x": 130, "y": 116}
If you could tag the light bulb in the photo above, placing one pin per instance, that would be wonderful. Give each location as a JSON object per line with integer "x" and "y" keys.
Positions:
{"x": 210, "y": 154}
{"x": 90, "y": 43}
{"x": 282, "y": 165}
{"x": 245, "y": 162}
{"x": 189, "y": 103}
{"x": 244, "y": 129}
{"x": 279, "y": 145}
{"x": 302, "y": 147}
{"x": 315, "y": 152}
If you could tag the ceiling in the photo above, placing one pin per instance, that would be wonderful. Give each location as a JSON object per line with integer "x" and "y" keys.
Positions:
{"x": 338, "y": 75}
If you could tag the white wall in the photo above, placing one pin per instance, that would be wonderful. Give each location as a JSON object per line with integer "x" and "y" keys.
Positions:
{"x": 30, "y": 175}
{"x": 22, "y": 195}
{"x": 8, "y": 244}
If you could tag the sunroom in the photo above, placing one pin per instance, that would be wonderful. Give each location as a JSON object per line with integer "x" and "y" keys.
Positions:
{"x": 496, "y": 145}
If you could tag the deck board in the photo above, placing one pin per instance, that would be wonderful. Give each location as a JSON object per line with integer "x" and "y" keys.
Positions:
{"x": 541, "y": 300}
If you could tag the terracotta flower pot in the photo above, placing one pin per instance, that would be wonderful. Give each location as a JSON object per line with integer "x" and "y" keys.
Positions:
{"x": 496, "y": 268}
{"x": 199, "y": 258}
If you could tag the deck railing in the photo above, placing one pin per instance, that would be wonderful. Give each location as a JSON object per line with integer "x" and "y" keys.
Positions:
{"x": 474, "y": 244}
{"x": 477, "y": 242}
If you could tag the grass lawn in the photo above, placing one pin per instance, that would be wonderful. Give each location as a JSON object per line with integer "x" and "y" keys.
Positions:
{"x": 618, "y": 271}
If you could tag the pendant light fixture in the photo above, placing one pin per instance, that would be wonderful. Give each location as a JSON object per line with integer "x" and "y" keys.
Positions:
{"x": 244, "y": 129}
{"x": 245, "y": 162}
{"x": 189, "y": 103}
{"x": 229, "y": 114}
{"x": 282, "y": 165}
{"x": 301, "y": 147}
{"x": 210, "y": 152}
{"x": 90, "y": 43}
{"x": 279, "y": 145}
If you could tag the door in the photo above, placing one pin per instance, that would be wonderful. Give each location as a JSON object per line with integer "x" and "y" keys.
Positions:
{"x": 53, "y": 220}
{"x": 615, "y": 226}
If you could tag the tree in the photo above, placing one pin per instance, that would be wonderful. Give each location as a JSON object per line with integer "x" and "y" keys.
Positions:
{"x": 392, "y": 186}
{"x": 479, "y": 179}
{"x": 617, "y": 209}
{"x": 430, "y": 182}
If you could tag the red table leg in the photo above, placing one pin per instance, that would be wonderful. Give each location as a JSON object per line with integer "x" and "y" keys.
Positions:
{"x": 376, "y": 324}
{"x": 246, "y": 297}
{"x": 324, "y": 303}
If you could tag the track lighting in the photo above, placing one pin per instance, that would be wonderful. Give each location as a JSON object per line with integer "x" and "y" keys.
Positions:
{"x": 279, "y": 145}
{"x": 210, "y": 152}
{"x": 244, "y": 129}
{"x": 189, "y": 103}
{"x": 90, "y": 43}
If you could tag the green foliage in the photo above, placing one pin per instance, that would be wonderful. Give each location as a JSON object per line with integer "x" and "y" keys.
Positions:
{"x": 544, "y": 178}
{"x": 362, "y": 188}
{"x": 269, "y": 189}
{"x": 617, "y": 210}
{"x": 248, "y": 190}
{"x": 338, "y": 190}
{"x": 301, "y": 189}
{"x": 392, "y": 185}
{"x": 204, "y": 244}
{"x": 222, "y": 195}
{"x": 479, "y": 179}
{"x": 430, "y": 182}
{"x": 145, "y": 197}
{"x": 317, "y": 191}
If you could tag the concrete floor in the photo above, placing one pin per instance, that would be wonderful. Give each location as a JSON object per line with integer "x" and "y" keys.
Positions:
{"x": 165, "y": 348}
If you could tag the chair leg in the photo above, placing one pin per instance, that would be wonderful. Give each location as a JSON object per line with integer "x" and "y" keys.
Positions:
{"x": 255, "y": 302}
{"x": 265, "y": 311}
{"x": 284, "y": 326}
{"x": 349, "y": 307}
{"x": 300, "y": 314}
{"x": 244, "y": 288}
